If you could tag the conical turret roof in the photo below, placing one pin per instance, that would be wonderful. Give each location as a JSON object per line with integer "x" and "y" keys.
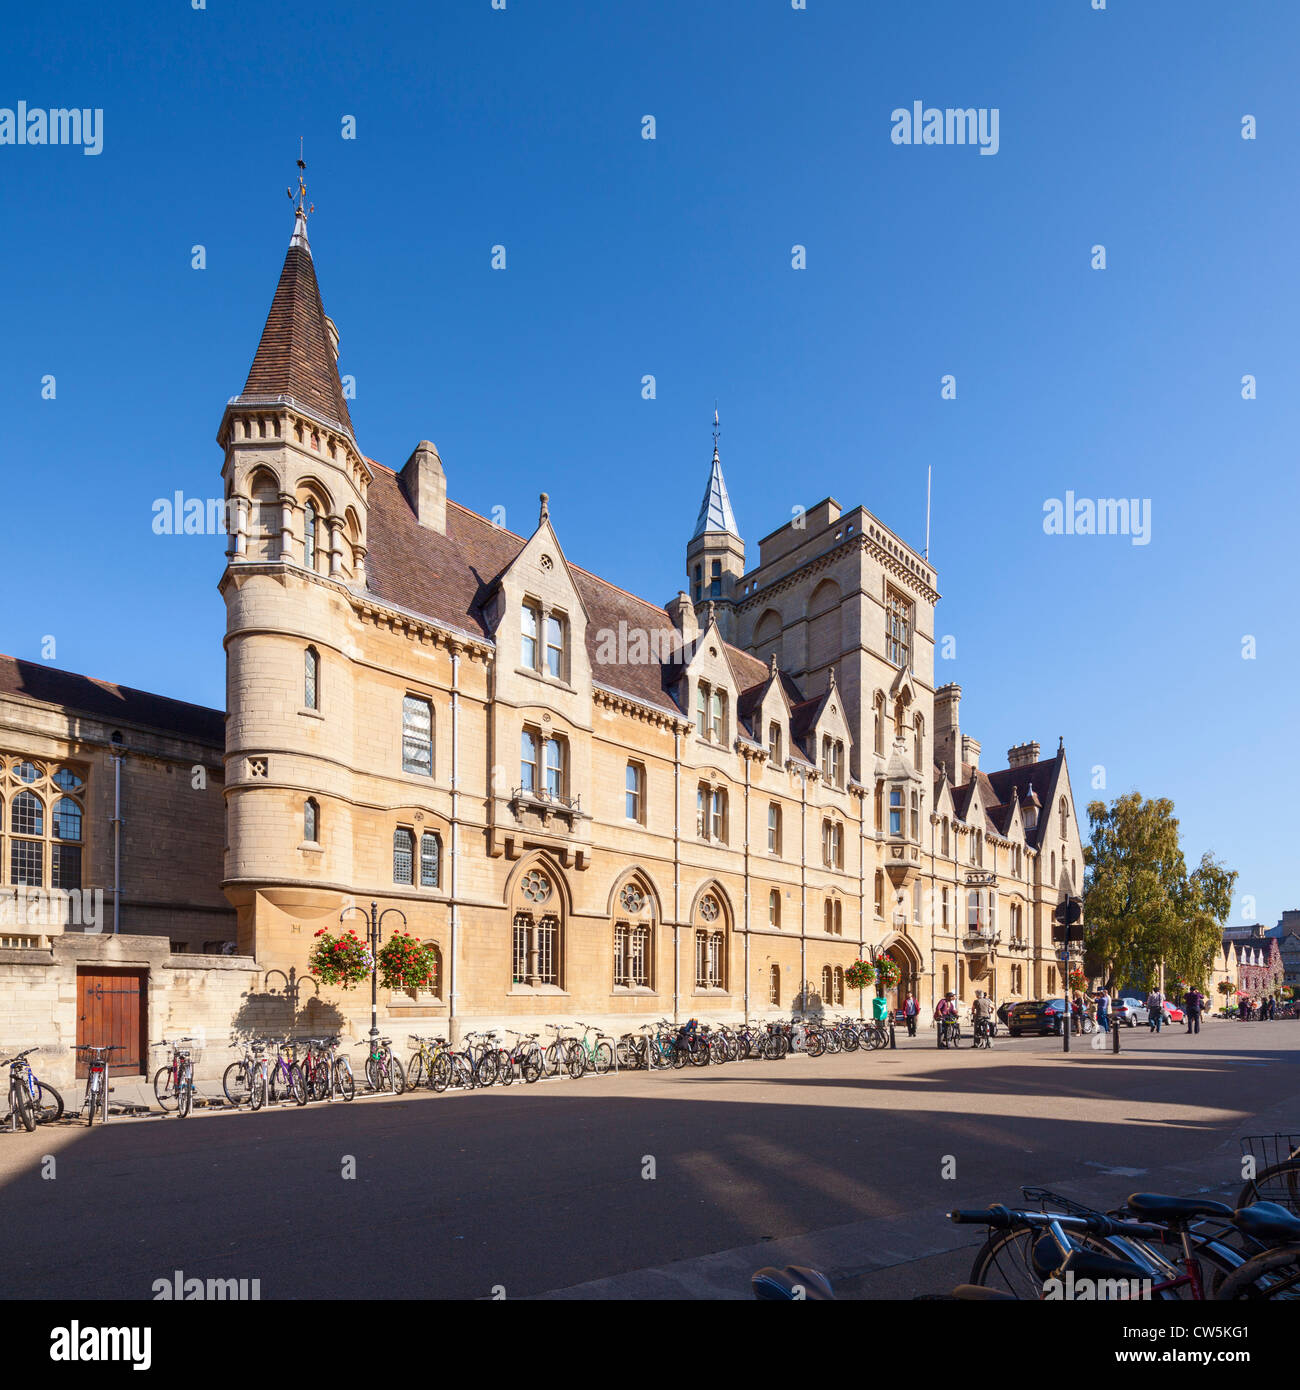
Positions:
{"x": 296, "y": 356}
{"x": 715, "y": 510}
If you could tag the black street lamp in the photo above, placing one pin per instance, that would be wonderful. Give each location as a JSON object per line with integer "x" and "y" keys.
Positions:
{"x": 374, "y": 920}
{"x": 1068, "y": 918}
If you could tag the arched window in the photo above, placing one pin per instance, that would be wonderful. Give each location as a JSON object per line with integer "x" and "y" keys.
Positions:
{"x": 774, "y": 908}
{"x": 828, "y": 985}
{"x": 311, "y": 679}
{"x": 839, "y": 984}
{"x": 1065, "y": 816}
{"x": 633, "y": 938}
{"x": 1053, "y": 868}
{"x": 67, "y": 819}
{"x": 537, "y": 953}
{"x": 403, "y": 855}
{"x": 918, "y": 741}
{"x": 880, "y": 805}
{"x": 879, "y": 724}
{"x": 268, "y": 519}
{"x": 710, "y": 944}
{"x": 430, "y": 859}
{"x": 880, "y": 893}
{"x": 311, "y": 821}
{"x": 774, "y": 985}
{"x": 309, "y": 536}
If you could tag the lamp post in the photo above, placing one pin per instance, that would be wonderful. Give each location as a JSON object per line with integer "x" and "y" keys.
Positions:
{"x": 374, "y": 920}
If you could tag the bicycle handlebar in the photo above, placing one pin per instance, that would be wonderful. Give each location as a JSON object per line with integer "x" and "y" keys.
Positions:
{"x": 1002, "y": 1218}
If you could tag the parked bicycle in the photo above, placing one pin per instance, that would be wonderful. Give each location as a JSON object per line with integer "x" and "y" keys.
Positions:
{"x": 97, "y": 1074}
{"x": 31, "y": 1102}
{"x": 383, "y": 1071}
{"x": 173, "y": 1084}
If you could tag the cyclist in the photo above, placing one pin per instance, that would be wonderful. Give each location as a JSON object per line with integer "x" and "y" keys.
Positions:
{"x": 982, "y": 1009}
{"x": 944, "y": 1010}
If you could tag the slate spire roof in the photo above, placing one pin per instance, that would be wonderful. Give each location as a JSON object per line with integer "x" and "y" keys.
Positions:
{"x": 296, "y": 355}
{"x": 715, "y": 510}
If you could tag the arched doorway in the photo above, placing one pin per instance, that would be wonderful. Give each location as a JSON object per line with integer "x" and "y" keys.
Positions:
{"x": 908, "y": 972}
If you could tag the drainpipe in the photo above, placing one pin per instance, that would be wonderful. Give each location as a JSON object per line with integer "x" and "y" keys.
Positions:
{"x": 677, "y": 871}
{"x": 453, "y": 981}
{"x": 803, "y": 891}
{"x": 117, "y": 843}
{"x": 747, "y": 767}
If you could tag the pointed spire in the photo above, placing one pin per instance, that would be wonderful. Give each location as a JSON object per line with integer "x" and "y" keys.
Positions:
{"x": 297, "y": 352}
{"x": 545, "y": 514}
{"x": 715, "y": 510}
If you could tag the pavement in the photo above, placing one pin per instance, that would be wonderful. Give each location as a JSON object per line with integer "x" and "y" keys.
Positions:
{"x": 635, "y": 1186}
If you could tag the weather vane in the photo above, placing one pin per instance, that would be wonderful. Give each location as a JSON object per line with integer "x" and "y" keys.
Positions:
{"x": 302, "y": 187}
{"x": 716, "y": 428}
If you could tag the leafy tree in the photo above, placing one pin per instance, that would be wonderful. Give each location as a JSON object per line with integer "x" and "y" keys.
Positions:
{"x": 1141, "y": 906}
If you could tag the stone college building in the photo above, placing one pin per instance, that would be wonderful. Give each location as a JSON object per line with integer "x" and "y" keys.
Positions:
{"x": 596, "y": 807}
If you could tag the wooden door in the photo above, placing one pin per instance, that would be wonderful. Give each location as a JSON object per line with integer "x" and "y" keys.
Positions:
{"x": 111, "y": 1010}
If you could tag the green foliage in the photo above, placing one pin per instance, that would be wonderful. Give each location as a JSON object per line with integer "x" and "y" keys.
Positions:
{"x": 1141, "y": 906}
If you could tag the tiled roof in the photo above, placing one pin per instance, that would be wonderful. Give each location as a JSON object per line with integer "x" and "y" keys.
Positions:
{"x": 112, "y": 703}
{"x": 296, "y": 357}
{"x": 447, "y": 577}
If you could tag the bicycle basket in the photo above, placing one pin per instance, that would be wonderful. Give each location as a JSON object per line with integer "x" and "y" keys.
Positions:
{"x": 1048, "y": 1200}
{"x": 1268, "y": 1150}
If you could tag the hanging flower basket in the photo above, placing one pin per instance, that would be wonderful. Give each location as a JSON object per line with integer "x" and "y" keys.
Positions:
{"x": 1078, "y": 980}
{"x": 887, "y": 973}
{"x": 405, "y": 963}
{"x": 860, "y": 974}
{"x": 342, "y": 959}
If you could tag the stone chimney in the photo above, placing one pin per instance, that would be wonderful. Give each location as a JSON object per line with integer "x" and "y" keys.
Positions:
{"x": 970, "y": 750}
{"x": 682, "y": 612}
{"x": 1023, "y": 754}
{"x": 947, "y": 735}
{"x": 425, "y": 485}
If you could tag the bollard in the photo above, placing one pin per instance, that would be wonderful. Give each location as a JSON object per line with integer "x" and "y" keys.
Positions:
{"x": 1114, "y": 1028}
{"x": 893, "y": 1042}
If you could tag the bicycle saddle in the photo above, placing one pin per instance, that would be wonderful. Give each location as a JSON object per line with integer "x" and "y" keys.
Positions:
{"x": 1090, "y": 1265}
{"x": 792, "y": 1284}
{"x": 1269, "y": 1221}
{"x": 1156, "y": 1206}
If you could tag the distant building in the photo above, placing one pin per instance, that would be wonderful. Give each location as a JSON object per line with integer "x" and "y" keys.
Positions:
{"x": 1255, "y": 959}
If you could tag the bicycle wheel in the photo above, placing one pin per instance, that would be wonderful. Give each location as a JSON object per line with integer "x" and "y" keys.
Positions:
{"x": 22, "y": 1105}
{"x": 48, "y": 1104}
{"x": 257, "y": 1089}
{"x": 1273, "y": 1275}
{"x": 164, "y": 1087}
{"x": 440, "y": 1072}
{"x": 603, "y": 1058}
{"x": 344, "y": 1079}
{"x": 553, "y": 1060}
{"x": 185, "y": 1092}
{"x": 1006, "y": 1261}
{"x": 576, "y": 1063}
{"x": 399, "y": 1077}
{"x": 1279, "y": 1183}
{"x": 374, "y": 1073}
{"x": 415, "y": 1068}
{"x": 814, "y": 1044}
{"x": 680, "y": 1055}
{"x": 505, "y": 1067}
{"x": 297, "y": 1084}
{"x": 851, "y": 1040}
{"x": 462, "y": 1071}
{"x": 95, "y": 1091}
{"x": 235, "y": 1083}
{"x": 626, "y": 1053}
{"x": 879, "y": 1038}
{"x": 487, "y": 1069}
{"x": 530, "y": 1065}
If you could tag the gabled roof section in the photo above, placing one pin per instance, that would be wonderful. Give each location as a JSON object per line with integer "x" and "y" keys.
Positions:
{"x": 296, "y": 354}
{"x": 447, "y": 578}
{"x": 715, "y": 510}
{"x": 1042, "y": 776}
{"x": 33, "y": 680}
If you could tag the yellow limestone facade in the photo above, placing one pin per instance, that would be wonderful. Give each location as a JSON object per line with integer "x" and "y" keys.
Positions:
{"x": 599, "y": 809}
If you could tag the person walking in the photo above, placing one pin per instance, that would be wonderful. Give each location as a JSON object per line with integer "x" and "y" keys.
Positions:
{"x": 1155, "y": 1011}
{"x": 1090, "y": 1013}
{"x": 1076, "y": 1015}
{"x": 1243, "y": 1008}
{"x": 1193, "y": 1003}
{"x": 909, "y": 1014}
{"x": 1103, "y": 1010}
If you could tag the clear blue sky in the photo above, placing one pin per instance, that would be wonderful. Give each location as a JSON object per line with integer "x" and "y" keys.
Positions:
{"x": 672, "y": 257}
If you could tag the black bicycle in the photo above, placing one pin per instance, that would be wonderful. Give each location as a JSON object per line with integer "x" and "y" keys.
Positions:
{"x": 949, "y": 1031}
{"x": 983, "y": 1034}
{"x": 96, "y": 1097}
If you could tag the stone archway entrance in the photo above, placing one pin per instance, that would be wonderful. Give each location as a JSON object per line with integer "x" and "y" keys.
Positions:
{"x": 907, "y": 977}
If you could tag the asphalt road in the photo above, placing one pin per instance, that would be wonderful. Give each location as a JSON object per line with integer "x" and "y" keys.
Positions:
{"x": 628, "y": 1186}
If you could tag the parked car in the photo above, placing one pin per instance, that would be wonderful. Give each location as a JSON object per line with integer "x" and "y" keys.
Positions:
{"x": 1173, "y": 1014}
{"x": 1004, "y": 1012}
{"x": 1036, "y": 1016}
{"x": 1130, "y": 1011}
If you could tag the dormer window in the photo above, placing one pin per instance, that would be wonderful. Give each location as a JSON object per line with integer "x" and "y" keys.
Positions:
{"x": 774, "y": 744}
{"x": 531, "y": 620}
{"x": 719, "y": 716}
{"x": 555, "y": 645}
{"x": 711, "y": 712}
{"x": 833, "y": 761}
{"x": 702, "y": 709}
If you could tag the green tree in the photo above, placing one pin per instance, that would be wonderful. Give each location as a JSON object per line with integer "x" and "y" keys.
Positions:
{"x": 1141, "y": 906}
